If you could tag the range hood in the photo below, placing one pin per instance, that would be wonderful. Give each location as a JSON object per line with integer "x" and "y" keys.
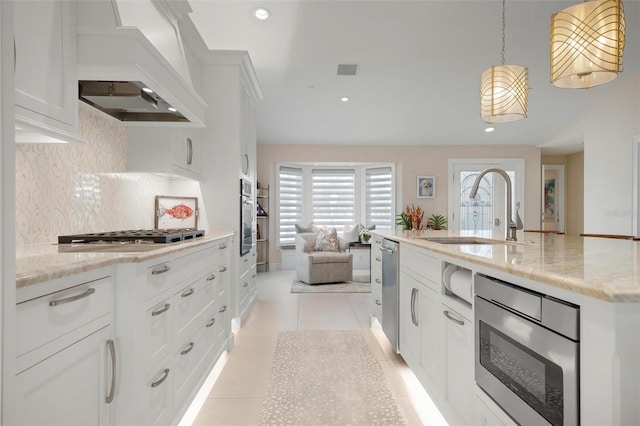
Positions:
{"x": 115, "y": 65}
{"x": 128, "y": 101}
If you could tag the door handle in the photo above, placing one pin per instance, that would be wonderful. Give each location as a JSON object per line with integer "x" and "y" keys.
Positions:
{"x": 189, "y": 151}
{"x": 161, "y": 379}
{"x": 87, "y": 293}
{"x": 452, "y": 318}
{"x": 162, "y": 310}
{"x": 112, "y": 389}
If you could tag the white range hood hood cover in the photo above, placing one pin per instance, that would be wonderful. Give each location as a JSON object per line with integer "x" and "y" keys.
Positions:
{"x": 125, "y": 54}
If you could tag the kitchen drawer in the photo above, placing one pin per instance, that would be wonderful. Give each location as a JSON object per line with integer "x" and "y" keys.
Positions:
{"x": 376, "y": 301}
{"x": 157, "y": 326}
{"x": 190, "y": 301}
{"x": 247, "y": 285}
{"x": 156, "y": 399}
{"x": 246, "y": 262}
{"x": 422, "y": 265}
{"x": 195, "y": 263}
{"x": 42, "y": 320}
{"x": 185, "y": 362}
{"x": 159, "y": 278}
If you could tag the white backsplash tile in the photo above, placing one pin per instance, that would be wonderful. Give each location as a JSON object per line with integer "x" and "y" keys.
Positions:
{"x": 67, "y": 189}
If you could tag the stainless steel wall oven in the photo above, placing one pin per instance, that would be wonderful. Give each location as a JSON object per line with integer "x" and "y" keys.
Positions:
{"x": 527, "y": 352}
{"x": 247, "y": 211}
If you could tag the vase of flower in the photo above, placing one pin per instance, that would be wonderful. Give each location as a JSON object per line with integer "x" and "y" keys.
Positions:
{"x": 365, "y": 236}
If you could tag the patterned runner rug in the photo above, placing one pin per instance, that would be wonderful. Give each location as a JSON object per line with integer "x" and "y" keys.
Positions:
{"x": 327, "y": 378}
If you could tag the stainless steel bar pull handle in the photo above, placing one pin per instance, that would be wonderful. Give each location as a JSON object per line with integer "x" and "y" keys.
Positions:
{"x": 189, "y": 151}
{"x": 223, "y": 246}
{"x": 452, "y": 318}
{"x": 87, "y": 293}
{"x": 161, "y": 311}
{"x": 378, "y": 302}
{"x": 224, "y": 308}
{"x": 188, "y": 292}
{"x": 386, "y": 250}
{"x": 189, "y": 348}
{"x": 161, "y": 379}
{"x": 223, "y": 269}
{"x": 378, "y": 259}
{"x": 112, "y": 389}
{"x": 378, "y": 281}
{"x": 165, "y": 268}
{"x": 210, "y": 323}
{"x": 414, "y": 317}
{"x": 245, "y": 285}
{"x": 211, "y": 277}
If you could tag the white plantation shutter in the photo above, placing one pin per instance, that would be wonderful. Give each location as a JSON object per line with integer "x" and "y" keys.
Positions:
{"x": 333, "y": 195}
{"x": 290, "y": 204}
{"x": 379, "y": 198}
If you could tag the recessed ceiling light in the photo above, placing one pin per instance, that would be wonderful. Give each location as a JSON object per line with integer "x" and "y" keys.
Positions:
{"x": 172, "y": 109}
{"x": 344, "y": 99}
{"x": 489, "y": 129}
{"x": 261, "y": 13}
{"x": 147, "y": 90}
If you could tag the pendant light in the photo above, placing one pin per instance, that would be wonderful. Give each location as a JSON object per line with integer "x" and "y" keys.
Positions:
{"x": 587, "y": 44}
{"x": 504, "y": 89}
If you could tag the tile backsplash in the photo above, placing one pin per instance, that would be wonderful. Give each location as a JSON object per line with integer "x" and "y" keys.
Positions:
{"x": 68, "y": 189}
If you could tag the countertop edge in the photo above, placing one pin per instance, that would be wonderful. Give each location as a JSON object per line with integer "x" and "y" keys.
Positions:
{"x": 79, "y": 264}
{"x": 595, "y": 290}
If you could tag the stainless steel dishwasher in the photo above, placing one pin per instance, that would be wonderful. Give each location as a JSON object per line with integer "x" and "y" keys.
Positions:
{"x": 390, "y": 320}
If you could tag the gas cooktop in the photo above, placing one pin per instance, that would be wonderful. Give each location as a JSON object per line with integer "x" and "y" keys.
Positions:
{"x": 138, "y": 236}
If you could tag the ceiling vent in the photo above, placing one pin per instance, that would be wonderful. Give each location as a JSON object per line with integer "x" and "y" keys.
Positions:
{"x": 347, "y": 69}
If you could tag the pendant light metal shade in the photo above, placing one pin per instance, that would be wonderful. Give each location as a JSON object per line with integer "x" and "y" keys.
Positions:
{"x": 504, "y": 93}
{"x": 587, "y": 44}
{"x": 504, "y": 89}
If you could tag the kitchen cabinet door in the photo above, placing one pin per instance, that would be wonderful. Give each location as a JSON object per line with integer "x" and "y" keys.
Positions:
{"x": 46, "y": 83}
{"x": 432, "y": 333}
{"x": 410, "y": 317}
{"x": 176, "y": 151}
{"x": 459, "y": 368}
{"x": 69, "y": 387}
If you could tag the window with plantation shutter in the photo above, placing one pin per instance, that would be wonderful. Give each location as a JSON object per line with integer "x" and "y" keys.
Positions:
{"x": 333, "y": 197}
{"x": 379, "y": 198}
{"x": 290, "y": 203}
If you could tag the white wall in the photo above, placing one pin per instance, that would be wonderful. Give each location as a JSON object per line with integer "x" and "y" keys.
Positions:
{"x": 609, "y": 131}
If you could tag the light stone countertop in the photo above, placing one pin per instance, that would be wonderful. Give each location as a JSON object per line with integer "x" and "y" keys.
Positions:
{"x": 36, "y": 263}
{"x": 607, "y": 269}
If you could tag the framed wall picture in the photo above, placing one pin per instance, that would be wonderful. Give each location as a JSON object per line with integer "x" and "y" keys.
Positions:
{"x": 426, "y": 186}
{"x": 176, "y": 212}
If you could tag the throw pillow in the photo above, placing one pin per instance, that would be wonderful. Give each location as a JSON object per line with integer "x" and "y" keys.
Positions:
{"x": 370, "y": 228}
{"x": 304, "y": 229}
{"x": 351, "y": 233}
{"x": 327, "y": 240}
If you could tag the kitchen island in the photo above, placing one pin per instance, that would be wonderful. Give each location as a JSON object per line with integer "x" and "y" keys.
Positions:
{"x": 599, "y": 277}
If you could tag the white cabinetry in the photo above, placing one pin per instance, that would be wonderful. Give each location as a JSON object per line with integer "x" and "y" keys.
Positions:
{"x": 65, "y": 365}
{"x": 175, "y": 326}
{"x": 459, "y": 360}
{"x": 175, "y": 151}
{"x": 436, "y": 335}
{"x": 376, "y": 278}
{"x": 231, "y": 90}
{"x": 247, "y": 293}
{"x": 46, "y": 83}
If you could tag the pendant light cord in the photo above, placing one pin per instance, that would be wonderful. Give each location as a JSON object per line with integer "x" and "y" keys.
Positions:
{"x": 503, "y": 29}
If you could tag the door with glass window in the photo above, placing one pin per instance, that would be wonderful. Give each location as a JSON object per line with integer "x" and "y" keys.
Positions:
{"x": 485, "y": 214}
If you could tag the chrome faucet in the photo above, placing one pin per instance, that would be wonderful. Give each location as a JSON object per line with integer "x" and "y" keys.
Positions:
{"x": 512, "y": 225}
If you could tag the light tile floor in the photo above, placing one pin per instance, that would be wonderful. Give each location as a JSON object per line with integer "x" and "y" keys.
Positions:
{"x": 237, "y": 395}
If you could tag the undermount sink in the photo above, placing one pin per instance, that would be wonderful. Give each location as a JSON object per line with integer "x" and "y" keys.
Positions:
{"x": 462, "y": 240}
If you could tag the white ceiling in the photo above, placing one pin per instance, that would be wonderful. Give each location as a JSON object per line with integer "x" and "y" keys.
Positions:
{"x": 420, "y": 65}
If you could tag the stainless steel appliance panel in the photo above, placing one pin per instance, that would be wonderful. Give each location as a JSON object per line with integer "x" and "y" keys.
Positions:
{"x": 528, "y": 368}
{"x": 390, "y": 280}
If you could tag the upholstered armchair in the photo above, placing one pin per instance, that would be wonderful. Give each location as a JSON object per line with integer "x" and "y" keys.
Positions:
{"x": 322, "y": 267}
